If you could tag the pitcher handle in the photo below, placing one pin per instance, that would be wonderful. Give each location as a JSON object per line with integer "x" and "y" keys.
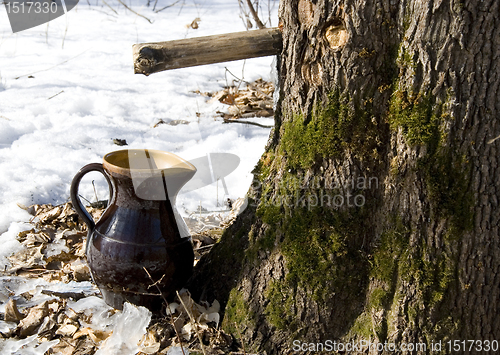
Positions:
{"x": 77, "y": 203}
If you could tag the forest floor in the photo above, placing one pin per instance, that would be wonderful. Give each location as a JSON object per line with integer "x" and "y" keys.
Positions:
{"x": 53, "y": 307}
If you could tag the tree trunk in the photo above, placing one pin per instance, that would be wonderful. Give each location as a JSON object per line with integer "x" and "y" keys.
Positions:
{"x": 373, "y": 215}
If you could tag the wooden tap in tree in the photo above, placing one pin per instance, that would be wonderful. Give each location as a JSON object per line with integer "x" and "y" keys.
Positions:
{"x": 155, "y": 57}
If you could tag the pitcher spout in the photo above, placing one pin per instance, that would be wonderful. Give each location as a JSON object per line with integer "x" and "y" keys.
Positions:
{"x": 156, "y": 175}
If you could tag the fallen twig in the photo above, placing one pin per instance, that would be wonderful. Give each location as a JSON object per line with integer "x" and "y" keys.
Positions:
{"x": 204, "y": 247}
{"x": 241, "y": 338}
{"x": 157, "y": 282}
{"x": 60, "y": 92}
{"x": 74, "y": 295}
{"x": 194, "y": 322}
{"x": 168, "y": 307}
{"x": 228, "y": 120}
{"x": 52, "y": 67}
{"x": 493, "y": 140}
{"x": 138, "y": 14}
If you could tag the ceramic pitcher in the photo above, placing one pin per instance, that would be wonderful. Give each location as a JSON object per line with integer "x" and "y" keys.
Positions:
{"x": 141, "y": 231}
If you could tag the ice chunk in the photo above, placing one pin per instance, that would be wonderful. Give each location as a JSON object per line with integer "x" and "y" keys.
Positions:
{"x": 18, "y": 285}
{"x": 6, "y": 327}
{"x": 129, "y": 328}
{"x": 57, "y": 247}
{"x": 102, "y": 314}
{"x": 28, "y": 346}
{"x": 35, "y": 287}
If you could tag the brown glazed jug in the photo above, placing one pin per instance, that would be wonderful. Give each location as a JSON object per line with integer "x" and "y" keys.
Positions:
{"x": 140, "y": 230}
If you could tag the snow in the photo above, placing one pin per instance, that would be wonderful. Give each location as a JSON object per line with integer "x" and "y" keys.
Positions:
{"x": 67, "y": 89}
{"x": 8, "y": 239}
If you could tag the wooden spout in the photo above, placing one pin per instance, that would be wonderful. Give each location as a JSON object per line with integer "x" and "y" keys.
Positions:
{"x": 155, "y": 57}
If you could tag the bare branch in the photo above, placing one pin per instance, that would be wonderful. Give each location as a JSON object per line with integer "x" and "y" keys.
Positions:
{"x": 166, "y": 7}
{"x": 254, "y": 15}
{"x": 105, "y": 3}
{"x": 138, "y": 14}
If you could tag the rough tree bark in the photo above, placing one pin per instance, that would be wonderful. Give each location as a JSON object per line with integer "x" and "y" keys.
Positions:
{"x": 374, "y": 211}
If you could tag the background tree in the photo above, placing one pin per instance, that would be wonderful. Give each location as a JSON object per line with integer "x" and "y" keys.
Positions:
{"x": 402, "y": 94}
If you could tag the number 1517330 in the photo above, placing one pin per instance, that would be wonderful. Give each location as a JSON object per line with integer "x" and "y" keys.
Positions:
{"x": 31, "y": 7}
{"x": 472, "y": 345}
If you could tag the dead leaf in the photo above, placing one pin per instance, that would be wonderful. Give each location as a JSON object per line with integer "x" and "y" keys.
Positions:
{"x": 149, "y": 343}
{"x": 120, "y": 142}
{"x": 27, "y": 258}
{"x": 36, "y": 239}
{"x": 33, "y": 320}
{"x": 209, "y": 318}
{"x": 171, "y": 122}
{"x": 12, "y": 314}
{"x": 49, "y": 323}
{"x": 21, "y": 236}
{"x": 81, "y": 271}
{"x": 195, "y": 24}
{"x": 63, "y": 348}
{"x": 65, "y": 295}
{"x": 85, "y": 346}
{"x": 49, "y": 214}
{"x": 227, "y": 99}
{"x": 188, "y": 331}
{"x": 67, "y": 330}
{"x": 254, "y": 100}
{"x": 96, "y": 335}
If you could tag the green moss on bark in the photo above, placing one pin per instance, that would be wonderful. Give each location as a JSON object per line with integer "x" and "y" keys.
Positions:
{"x": 414, "y": 114}
{"x": 391, "y": 250}
{"x": 237, "y": 313}
{"x": 304, "y": 142}
{"x": 264, "y": 166}
{"x": 322, "y": 259}
{"x": 331, "y": 128}
{"x": 446, "y": 173}
{"x": 279, "y": 309}
{"x": 448, "y": 185}
{"x": 317, "y": 252}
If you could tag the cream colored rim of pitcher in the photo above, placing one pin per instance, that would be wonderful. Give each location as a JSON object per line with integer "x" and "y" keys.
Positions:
{"x": 117, "y": 161}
